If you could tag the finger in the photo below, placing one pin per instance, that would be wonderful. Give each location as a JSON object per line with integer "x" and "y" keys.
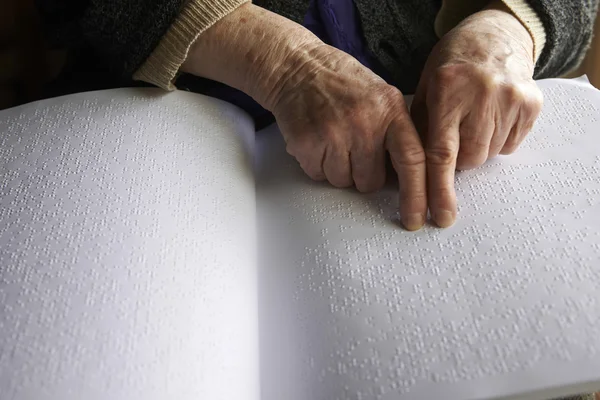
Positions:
{"x": 507, "y": 116}
{"x": 368, "y": 167}
{"x": 442, "y": 151}
{"x": 512, "y": 141}
{"x": 527, "y": 115}
{"x": 336, "y": 166}
{"x": 314, "y": 167}
{"x": 476, "y": 133}
{"x": 504, "y": 125}
{"x": 501, "y": 134}
{"x": 516, "y": 136}
{"x": 308, "y": 156}
{"x": 408, "y": 158}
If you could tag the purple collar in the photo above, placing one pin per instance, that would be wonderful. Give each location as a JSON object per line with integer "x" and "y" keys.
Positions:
{"x": 336, "y": 22}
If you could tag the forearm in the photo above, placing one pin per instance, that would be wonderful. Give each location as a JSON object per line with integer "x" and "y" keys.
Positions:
{"x": 253, "y": 50}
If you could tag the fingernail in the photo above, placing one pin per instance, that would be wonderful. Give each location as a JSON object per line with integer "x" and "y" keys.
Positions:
{"x": 444, "y": 218}
{"x": 413, "y": 222}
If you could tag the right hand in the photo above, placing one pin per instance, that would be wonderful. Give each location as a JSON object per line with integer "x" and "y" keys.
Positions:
{"x": 338, "y": 119}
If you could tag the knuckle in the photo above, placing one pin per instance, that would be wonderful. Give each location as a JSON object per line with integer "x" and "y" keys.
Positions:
{"x": 443, "y": 80}
{"x": 440, "y": 155}
{"x": 445, "y": 74}
{"x": 380, "y": 96}
{"x": 391, "y": 102}
{"x": 488, "y": 82}
{"x": 514, "y": 94}
{"x": 534, "y": 94}
{"x": 534, "y": 103}
{"x": 473, "y": 143}
{"x": 473, "y": 149}
{"x": 410, "y": 155}
{"x": 391, "y": 93}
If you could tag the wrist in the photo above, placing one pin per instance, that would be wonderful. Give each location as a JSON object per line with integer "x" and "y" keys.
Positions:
{"x": 511, "y": 25}
{"x": 501, "y": 34}
{"x": 253, "y": 50}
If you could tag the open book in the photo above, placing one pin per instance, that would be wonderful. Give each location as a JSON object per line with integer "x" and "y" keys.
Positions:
{"x": 152, "y": 246}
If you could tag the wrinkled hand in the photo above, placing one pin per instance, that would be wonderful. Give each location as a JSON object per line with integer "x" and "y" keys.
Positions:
{"x": 338, "y": 118}
{"x": 476, "y": 99}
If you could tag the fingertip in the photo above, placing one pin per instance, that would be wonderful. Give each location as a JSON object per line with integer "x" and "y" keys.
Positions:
{"x": 340, "y": 184}
{"x": 413, "y": 222}
{"x": 444, "y": 218}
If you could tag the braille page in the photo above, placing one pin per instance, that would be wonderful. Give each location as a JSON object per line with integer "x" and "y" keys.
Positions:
{"x": 127, "y": 266}
{"x": 506, "y": 303}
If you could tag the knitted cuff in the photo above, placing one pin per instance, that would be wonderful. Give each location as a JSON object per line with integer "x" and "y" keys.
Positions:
{"x": 530, "y": 20}
{"x": 162, "y": 66}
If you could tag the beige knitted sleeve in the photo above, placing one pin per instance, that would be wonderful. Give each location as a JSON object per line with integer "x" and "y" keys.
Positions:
{"x": 162, "y": 66}
{"x": 454, "y": 11}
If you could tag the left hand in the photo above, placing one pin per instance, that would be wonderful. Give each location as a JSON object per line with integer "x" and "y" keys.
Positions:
{"x": 476, "y": 99}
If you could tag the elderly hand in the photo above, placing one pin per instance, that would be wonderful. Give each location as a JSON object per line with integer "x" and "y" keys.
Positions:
{"x": 476, "y": 99}
{"x": 337, "y": 117}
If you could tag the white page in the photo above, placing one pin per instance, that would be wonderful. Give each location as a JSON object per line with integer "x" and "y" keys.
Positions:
{"x": 127, "y": 266}
{"x": 504, "y": 303}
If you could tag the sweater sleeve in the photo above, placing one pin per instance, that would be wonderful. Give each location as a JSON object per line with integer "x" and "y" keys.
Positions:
{"x": 561, "y": 29}
{"x": 144, "y": 39}
{"x": 568, "y": 25}
{"x": 162, "y": 66}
